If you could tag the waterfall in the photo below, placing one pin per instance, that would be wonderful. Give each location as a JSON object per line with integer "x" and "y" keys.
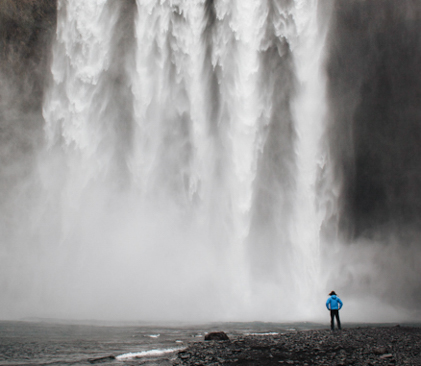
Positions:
{"x": 184, "y": 143}
{"x": 309, "y": 110}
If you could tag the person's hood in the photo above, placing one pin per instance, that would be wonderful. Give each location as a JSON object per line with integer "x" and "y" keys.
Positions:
{"x": 334, "y": 297}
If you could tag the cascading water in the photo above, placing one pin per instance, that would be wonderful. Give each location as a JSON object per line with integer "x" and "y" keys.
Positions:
{"x": 309, "y": 110}
{"x": 186, "y": 163}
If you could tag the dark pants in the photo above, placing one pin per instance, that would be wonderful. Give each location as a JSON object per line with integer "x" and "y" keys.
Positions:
{"x": 333, "y": 314}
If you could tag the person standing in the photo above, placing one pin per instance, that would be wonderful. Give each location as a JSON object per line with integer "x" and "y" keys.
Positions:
{"x": 334, "y": 304}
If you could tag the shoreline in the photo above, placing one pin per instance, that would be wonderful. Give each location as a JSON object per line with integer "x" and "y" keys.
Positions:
{"x": 368, "y": 345}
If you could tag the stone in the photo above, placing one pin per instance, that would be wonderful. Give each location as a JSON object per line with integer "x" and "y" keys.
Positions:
{"x": 184, "y": 355}
{"x": 216, "y": 336}
{"x": 101, "y": 359}
{"x": 305, "y": 348}
{"x": 379, "y": 350}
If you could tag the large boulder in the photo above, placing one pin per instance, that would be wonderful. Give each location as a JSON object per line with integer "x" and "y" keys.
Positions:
{"x": 216, "y": 336}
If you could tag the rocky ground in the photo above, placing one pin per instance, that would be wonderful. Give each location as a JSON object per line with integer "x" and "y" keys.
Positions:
{"x": 396, "y": 345}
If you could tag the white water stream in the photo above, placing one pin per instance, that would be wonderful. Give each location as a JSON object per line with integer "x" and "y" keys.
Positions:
{"x": 219, "y": 215}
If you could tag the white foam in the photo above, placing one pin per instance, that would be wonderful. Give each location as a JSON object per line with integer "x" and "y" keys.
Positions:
{"x": 263, "y": 334}
{"x": 153, "y": 335}
{"x": 150, "y": 353}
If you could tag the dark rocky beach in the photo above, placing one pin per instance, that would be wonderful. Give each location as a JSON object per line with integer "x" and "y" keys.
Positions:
{"x": 393, "y": 345}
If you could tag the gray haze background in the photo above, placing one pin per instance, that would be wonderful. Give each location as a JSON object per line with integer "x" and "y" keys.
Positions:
{"x": 372, "y": 248}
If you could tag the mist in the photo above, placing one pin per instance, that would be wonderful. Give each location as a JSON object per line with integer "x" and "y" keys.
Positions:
{"x": 373, "y": 72}
{"x": 215, "y": 161}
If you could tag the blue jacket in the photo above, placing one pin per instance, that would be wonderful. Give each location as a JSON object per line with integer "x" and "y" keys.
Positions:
{"x": 334, "y": 303}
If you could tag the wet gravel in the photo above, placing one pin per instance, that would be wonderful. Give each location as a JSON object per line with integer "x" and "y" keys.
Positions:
{"x": 355, "y": 346}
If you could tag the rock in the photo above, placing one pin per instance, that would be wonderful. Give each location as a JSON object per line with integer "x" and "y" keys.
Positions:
{"x": 101, "y": 359}
{"x": 379, "y": 350}
{"x": 364, "y": 346}
{"x": 216, "y": 336}
{"x": 184, "y": 355}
